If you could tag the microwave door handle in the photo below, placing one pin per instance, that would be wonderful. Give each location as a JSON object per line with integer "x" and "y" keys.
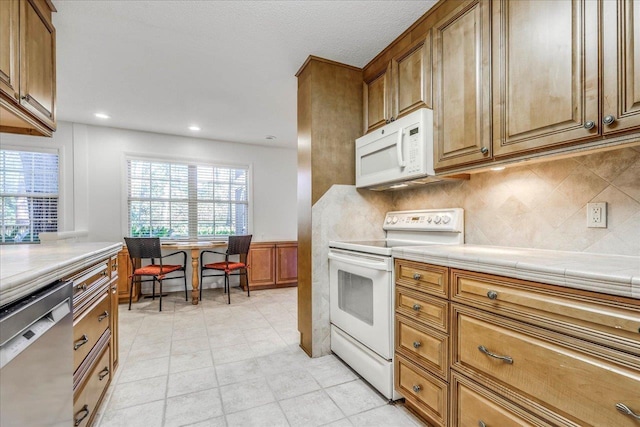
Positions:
{"x": 401, "y": 161}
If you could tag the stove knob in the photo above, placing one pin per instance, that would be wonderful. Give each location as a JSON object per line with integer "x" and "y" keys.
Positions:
{"x": 429, "y": 219}
{"x": 446, "y": 219}
{"x": 388, "y": 220}
{"x": 437, "y": 219}
{"x": 394, "y": 220}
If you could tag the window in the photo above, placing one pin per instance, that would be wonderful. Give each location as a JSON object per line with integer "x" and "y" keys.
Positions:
{"x": 29, "y": 195}
{"x": 181, "y": 200}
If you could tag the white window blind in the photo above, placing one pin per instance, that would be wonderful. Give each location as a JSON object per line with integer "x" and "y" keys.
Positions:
{"x": 29, "y": 195}
{"x": 180, "y": 200}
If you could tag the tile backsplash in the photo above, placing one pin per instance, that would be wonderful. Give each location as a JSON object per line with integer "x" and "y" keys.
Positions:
{"x": 543, "y": 205}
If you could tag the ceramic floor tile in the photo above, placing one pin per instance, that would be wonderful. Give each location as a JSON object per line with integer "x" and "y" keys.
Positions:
{"x": 142, "y": 350}
{"x": 383, "y": 416}
{"x": 293, "y": 383}
{"x": 311, "y": 409}
{"x": 214, "y": 422}
{"x": 221, "y": 338}
{"x": 245, "y": 395}
{"x": 355, "y": 397}
{"x": 191, "y": 381}
{"x": 147, "y": 415}
{"x": 240, "y": 371}
{"x": 189, "y": 345}
{"x": 192, "y": 408}
{"x": 190, "y": 361}
{"x": 232, "y": 353}
{"x": 141, "y": 369}
{"x": 345, "y": 423}
{"x": 281, "y": 362}
{"x": 330, "y": 371}
{"x": 269, "y": 415}
{"x": 138, "y": 392}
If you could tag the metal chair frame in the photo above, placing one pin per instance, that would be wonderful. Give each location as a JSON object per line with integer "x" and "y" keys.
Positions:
{"x": 150, "y": 248}
{"x": 238, "y": 245}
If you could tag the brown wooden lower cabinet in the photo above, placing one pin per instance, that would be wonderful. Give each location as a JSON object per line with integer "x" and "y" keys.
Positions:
{"x": 272, "y": 265}
{"x": 520, "y": 353}
{"x": 125, "y": 269}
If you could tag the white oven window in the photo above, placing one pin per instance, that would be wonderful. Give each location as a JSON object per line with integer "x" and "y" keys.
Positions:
{"x": 355, "y": 295}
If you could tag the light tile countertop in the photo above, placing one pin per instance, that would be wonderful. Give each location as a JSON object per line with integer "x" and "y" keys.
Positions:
{"x": 609, "y": 274}
{"x": 26, "y": 268}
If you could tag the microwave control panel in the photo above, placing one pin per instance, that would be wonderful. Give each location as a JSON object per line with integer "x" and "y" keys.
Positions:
{"x": 415, "y": 152}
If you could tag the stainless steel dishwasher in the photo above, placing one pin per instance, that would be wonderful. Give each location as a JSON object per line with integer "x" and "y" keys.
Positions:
{"x": 36, "y": 359}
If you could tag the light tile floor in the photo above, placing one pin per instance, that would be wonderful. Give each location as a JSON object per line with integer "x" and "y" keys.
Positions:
{"x": 216, "y": 364}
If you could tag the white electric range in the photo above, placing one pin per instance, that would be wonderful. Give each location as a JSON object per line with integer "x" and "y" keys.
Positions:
{"x": 361, "y": 286}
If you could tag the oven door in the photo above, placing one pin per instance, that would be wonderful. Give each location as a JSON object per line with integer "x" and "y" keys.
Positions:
{"x": 361, "y": 298}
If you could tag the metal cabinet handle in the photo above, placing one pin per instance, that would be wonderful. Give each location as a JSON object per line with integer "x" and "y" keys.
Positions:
{"x": 492, "y": 295}
{"x": 608, "y": 120}
{"x": 416, "y": 344}
{"x": 82, "y": 287}
{"x": 484, "y": 150}
{"x": 82, "y": 341}
{"x": 114, "y": 289}
{"x": 505, "y": 359}
{"x": 589, "y": 125}
{"x": 387, "y": 121}
{"x": 103, "y": 373}
{"x": 392, "y": 119}
{"x": 416, "y": 307}
{"x": 624, "y": 409}
{"x": 85, "y": 413}
{"x": 103, "y": 316}
{"x": 481, "y": 423}
{"x": 416, "y": 388}
{"x": 417, "y": 276}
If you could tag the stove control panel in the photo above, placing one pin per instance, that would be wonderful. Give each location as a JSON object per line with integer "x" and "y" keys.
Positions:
{"x": 451, "y": 220}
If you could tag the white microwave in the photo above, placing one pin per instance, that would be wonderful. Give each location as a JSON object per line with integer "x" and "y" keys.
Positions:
{"x": 396, "y": 153}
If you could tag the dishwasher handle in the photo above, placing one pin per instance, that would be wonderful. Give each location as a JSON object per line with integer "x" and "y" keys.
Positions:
{"x": 49, "y": 304}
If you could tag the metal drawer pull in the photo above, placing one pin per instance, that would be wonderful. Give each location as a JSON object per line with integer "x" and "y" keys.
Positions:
{"x": 82, "y": 287}
{"x": 416, "y": 307}
{"x": 416, "y": 344}
{"x": 416, "y": 388}
{"x": 82, "y": 341}
{"x": 492, "y": 295}
{"x": 624, "y": 409}
{"x": 103, "y": 316}
{"x": 417, "y": 276}
{"x": 85, "y": 413}
{"x": 103, "y": 373}
{"x": 481, "y": 423}
{"x": 505, "y": 359}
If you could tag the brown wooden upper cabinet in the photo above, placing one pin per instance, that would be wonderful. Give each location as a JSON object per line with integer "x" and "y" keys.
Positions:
{"x": 402, "y": 86}
{"x": 461, "y": 85}
{"x": 545, "y": 74}
{"x": 27, "y": 67}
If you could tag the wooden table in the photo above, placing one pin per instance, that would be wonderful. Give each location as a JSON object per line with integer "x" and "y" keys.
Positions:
{"x": 195, "y": 248}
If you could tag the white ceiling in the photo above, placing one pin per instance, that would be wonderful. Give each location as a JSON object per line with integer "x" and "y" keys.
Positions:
{"x": 227, "y": 66}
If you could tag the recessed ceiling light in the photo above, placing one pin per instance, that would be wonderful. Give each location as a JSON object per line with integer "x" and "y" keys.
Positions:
{"x": 194, "y": 128}
{"x": 102, "y": 116}
{"x": 269, "y": 137}
{"x": 498, "y": 168}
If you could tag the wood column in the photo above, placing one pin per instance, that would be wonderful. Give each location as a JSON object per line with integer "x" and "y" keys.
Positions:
{"x": 329, "y": 121}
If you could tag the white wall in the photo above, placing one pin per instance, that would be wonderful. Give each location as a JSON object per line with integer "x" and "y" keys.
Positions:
{"x": 93, "y": 187}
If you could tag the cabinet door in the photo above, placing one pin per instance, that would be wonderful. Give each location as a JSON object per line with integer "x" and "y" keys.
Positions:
{"x": 621, "y": 65}
{"x": 377, "y": 99}
{"x": 37, "y": 63}
{"x": 462, "y": 86}
{"x": 411, "y": 74}
{"x": 113, "y": 289}
{"x": 261, "y": 265}
{"x": 9, "y": 48}
{"x": 286, "y": 263}
{"x": 545, "y": 74}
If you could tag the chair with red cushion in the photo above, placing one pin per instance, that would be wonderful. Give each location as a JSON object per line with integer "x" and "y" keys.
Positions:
{"x": 238, "y": 245}
{"x": 141, "y": 248}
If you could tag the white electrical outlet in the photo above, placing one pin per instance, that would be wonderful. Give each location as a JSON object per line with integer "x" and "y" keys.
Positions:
{"x": 597, "y": 215}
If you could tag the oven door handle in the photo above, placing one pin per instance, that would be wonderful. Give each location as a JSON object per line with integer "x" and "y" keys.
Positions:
{"x": 360, "y": 261}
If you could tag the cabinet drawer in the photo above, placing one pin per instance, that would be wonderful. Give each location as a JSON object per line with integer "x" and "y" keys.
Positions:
{"x": 418, "y": 306}
{"x": 89, "y": 327}
{"x": 576, "y": 381}
{"x": 90, "y": 391}
{"x": 473, "y": 405}
{"x": 86, "y": 282}
{"x": 427, "y": 348}
{"x": 612, "y": 321}
{"x": 431, "y": 279}
{"x": 424, "y": 392}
